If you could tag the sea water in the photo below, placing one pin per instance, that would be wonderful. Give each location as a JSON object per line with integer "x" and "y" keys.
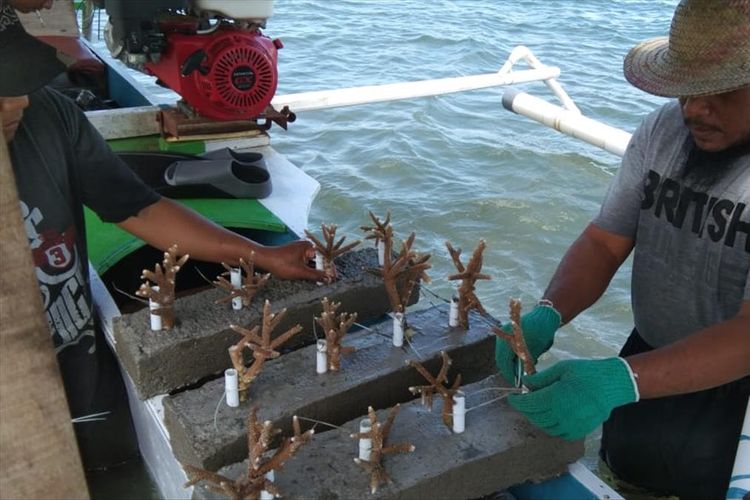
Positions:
{"x": 459, "y": 167}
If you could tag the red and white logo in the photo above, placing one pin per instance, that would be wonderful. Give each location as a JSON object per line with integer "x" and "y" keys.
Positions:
{"x": 58, "y": 256}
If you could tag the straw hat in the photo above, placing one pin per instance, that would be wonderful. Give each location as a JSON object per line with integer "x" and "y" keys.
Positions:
{"x": 25, "y": 62}
{"x": 707, "y": 51}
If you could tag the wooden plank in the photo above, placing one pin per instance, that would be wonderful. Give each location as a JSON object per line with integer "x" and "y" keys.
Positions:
{"x": 38, "y": 452}
{"x": 60, "y": 20}
{"x": 126, "y": 122}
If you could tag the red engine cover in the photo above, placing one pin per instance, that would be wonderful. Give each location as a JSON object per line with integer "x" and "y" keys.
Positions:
{"x": 229, "y": 74}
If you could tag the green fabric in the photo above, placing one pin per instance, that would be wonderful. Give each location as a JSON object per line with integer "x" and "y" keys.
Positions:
{"x": 539, "y": 326}
{"x": 157, "y": 143}
{"x": 107, "y": 243}
{"x": 573, "y": 397}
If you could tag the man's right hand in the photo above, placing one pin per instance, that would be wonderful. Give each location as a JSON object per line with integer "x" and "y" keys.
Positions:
{"x": 539, "y": 326}
{"x": 294, "y": 261}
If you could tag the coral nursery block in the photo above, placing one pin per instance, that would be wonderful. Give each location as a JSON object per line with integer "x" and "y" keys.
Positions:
{"x": 498, "y": 449}
{"x": 196, "y": 348}
{"x": 375, "y": 374}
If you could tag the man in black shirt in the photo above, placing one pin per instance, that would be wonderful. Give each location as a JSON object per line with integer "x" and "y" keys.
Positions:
{"x": 61, "y": 163}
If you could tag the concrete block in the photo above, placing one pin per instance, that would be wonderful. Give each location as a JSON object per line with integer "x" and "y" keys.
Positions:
{"x": 376, "y": 374}
{"x": 498, "y": 449}
{"x": 196, "y": 348}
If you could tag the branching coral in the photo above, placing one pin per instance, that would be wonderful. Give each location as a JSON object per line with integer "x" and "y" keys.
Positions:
{"x": 467, "y": 299}
{"x": 380, "y": 230}
{"x": 252, "y": 282}
{"x": 379, "y": 436}
{"x": 515, "y": 339}
{"x": 250, "y": 485}
{"x": 400, "y": 276}
{"x": 437, "y": 385}
{"x": 330, "y": 250}
{"x": 262, "y": 346}
{"x": 335, "y": 327}
{"x": 159, "y": 286}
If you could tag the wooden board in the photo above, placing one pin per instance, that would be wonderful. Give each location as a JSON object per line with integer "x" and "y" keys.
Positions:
{"x": 60, "y": 20}
{"x": 38, "y": 452}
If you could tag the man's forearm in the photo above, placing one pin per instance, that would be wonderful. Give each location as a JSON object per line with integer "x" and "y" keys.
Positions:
{"x": 709, "y": 358}
{"x": 166, "y": 223}
{"x": 586, "y": 270}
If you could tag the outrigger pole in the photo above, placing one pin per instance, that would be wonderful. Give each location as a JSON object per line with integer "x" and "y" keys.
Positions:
{"x": 352, "y": 96}
{"x": 566, "y": 118}
{"x": 572, "y": 123}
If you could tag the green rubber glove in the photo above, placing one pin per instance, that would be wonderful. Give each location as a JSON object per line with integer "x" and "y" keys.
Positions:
{"x": 539, "y": 326}
{"x": 573, "y": 397}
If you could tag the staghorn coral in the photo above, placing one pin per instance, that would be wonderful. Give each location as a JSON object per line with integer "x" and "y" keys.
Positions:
{"x": 469, "y": 274}
{"x": 262, "y": 346}
{"x": 378, "y": 434}
{"x": 250, "y": 485}
{"x": 437, "y": 385}
{"x": 330, "y": 249}
{"x": 515, "y": 339}
{"x": 335, "y": 327}
{"x": 159, "y": 286}
{"x": 252, "y": 282}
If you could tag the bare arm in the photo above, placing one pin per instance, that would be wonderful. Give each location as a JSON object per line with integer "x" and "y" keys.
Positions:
{"x": 166, "y": 223}
{"x": 586, "y": 270}
{"x": 711, "y": 357}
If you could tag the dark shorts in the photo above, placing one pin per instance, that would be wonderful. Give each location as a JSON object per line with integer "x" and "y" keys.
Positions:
{"x": 679, "y": 445}
{"x": 93, "y": 384}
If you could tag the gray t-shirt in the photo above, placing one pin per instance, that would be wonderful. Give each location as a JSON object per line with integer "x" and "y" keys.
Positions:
{"x": 692, "y": 238}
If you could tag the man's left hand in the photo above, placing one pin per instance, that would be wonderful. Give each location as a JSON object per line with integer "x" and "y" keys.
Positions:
{"x": 571, "y": 398}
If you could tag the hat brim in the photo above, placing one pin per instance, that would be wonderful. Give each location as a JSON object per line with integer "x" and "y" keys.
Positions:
{"x": 27, "y": 65}
{"x": 651, "y": 67}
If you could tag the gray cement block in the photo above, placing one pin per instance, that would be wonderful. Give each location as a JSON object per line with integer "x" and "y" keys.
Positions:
{"x": 376, "y": 374}
{"x": 498, "y": 449}
{"x": 196, "y": 348}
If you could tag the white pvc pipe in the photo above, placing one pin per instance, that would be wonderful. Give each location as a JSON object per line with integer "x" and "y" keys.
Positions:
{"x": 351, "y": 96}
{"x": 520, "y": 374}
{"x": 235, "y": 277}
{"x": 155, "y": 318}
{"x": 320, "y": 264}
{"x": 264, "y": 495}
{"x": 381, "y": 253}
{"x": 232, "y": 387}
{"x": 453, "y": 314}
{"x": 739, "y": 481}
{"x": 568, "y": 122}
{"x": 459, "y": 412}
{"x": 398, "y": 329}
{"x": 365, "y": 444}
{"x": 321, "y": 357}
{"x": 522, "y": 52}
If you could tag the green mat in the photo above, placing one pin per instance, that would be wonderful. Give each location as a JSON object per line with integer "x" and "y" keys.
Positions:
{"x": 107, "y": 243}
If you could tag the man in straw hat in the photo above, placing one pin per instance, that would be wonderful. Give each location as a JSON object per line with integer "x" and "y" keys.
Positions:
{"x": 61, "y": 163}
{"x": 673, "y": 401}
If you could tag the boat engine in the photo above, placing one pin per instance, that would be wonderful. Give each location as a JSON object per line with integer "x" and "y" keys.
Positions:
{"x": 210, "y": 52}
